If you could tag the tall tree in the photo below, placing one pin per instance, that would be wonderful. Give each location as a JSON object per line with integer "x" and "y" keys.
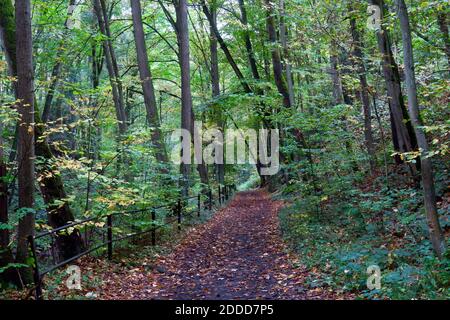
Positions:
{"x": 9, "y": 41}
{"x": 232, "y": 62}
{"x": 275, "y": 52}
{"x": 442, "y": 18}
{"x": 111, "y": 63}
{"x": 56, "y": 70}
{"x": 147, "y": 82}
{"x": 186, "y": 95}
{"x": 225, "y": 48}
{"x": 364, "y": 92}
{"x": 248, "y": 42}
{"x": 25, "y": 108}
{"x": 402, "y": 131}
{"x": 6, "y": 256}
{"x": 436, "y": 235}
{"x": 284, "y": 43}
{"x": 338, "y": 95}
{"x": 215, "y": 85}
{"x": 51, "y": 184}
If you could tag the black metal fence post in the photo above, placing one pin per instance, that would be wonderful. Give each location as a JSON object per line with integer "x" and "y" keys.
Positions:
{"x": 153, "y": 227}
{"x": 110, "y": 243}
{"x": 36, "y": 275}
{"x": 199, "y": 204}
{"x": 210, "y": 199}
{"x": 179, "y": 214}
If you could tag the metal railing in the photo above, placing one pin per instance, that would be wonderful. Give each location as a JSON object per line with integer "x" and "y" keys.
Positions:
{"x": 100, "y": 232}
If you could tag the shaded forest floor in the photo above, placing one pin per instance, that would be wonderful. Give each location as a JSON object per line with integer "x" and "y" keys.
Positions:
{"x": 238, "y": 254}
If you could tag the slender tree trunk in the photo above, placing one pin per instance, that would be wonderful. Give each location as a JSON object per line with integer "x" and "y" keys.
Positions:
{"x": 284, "y": 44}
{"x": 248, "y": 42}
{"x": 112, "y": 67}
{"x": 215, "y": 86}
{"x": 276, "y": 56}
{"x": 442, "y": 19}
{"x": 25, "y": 108}
{"x": 112, "y": 54}
{"x": 186, "y": 96}
{"x": 9, "y": 41}
{"x": 280, "y": 84}
{"x": 6, "y": 255}
{"x": 256, "y": 76}
{"x": 97, "y": 65}
{"x": 147, "y": 83}
{"x": 116, "y": 86}
{"x": 8, "y": 35}
{"x": 56, "y": 71}
{"x": 4, "y": 233}
{"x": 225, "y": 49}
{"x": 364, "y": 93}
{"x": 231, "y": 61}
{"x": 436, "y": 235}
{"x": 339, "y": 98}
{"x": 338, "y": 95}
{"x": 406, "y": 140}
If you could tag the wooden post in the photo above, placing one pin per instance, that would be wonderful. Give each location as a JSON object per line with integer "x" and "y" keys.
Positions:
{"x": 110, "y": 244}
{"x": 36, "y": 275}
{"x": 153, "y": 227}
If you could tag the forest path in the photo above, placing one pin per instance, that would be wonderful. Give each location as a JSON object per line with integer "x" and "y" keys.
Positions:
{"x": 237, "y": 254}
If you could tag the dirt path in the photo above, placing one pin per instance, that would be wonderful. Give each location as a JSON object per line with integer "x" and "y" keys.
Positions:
{"x": 238, "y": 254}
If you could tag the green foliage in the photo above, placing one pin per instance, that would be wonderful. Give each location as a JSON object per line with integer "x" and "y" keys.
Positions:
{"x": 342, "y": 217}
{"x": 383, "y": 229}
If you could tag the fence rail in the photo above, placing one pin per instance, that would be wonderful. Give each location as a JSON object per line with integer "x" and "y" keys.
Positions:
{"x": 96, "y": 226}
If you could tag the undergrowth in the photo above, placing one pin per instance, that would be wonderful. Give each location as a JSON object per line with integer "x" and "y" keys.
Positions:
{"x": 348, "y": 227}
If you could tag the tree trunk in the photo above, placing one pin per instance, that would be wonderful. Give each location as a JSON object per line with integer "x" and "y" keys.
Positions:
{"x": 406, "y": 140}
{"x": 248, "y": 42}
{"x": 56, "y": 71}
{"x": 97, "y": 65}
{"x": 338, "y": 96}
{"x": 281, "y": 86}
{"x": 9, "y": 41}
{"x": 7, "y": 34}
{"x": 215, "y": 86}
{"x": 442, "y": 19}
{"x": 186, "y": 96}
{"x": 147, "y": 83}
{"x": 116, "y": 87}
{"x": 284, "y": 44}
{"x": 6, "y": 255}
{"x": 364, "y": 93}
{"x": 52, "y": 189}
{"x": 276, "y": 57}
{"x": 51, "y": 185}
{"x": 436, "y": 235}
{"x": 225, "y": 49}
{"x": 25, "y": 108}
